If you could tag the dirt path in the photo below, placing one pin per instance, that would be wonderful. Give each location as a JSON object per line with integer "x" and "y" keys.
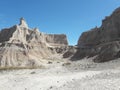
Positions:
{"x": 61, "y": 78}
{"x": 35, "y": 80}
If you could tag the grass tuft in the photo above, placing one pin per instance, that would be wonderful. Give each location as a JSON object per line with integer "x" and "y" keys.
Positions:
{"x": 19, "y": 68}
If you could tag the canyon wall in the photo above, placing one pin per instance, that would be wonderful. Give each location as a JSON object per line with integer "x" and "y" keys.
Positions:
{"x": 102, "y": 42}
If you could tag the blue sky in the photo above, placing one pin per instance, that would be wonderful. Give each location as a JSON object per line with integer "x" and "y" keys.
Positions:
{"x": 71, "y": 17}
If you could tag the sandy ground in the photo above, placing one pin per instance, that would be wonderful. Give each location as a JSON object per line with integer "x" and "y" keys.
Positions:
{"x": 79, "y": 75}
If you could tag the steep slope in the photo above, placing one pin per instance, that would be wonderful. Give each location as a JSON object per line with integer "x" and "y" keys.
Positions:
{"x": 21, "y": 46}
{"x": 103, "y": 42}
{"x": 109, "y": 31}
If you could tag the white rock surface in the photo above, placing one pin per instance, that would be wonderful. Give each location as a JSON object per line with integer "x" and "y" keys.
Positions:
{"x": 84, "y": 75}
{"x": 21, "y": 46}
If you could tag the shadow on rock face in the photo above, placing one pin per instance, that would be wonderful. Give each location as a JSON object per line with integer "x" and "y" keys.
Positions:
{"x": 102, "y": 42}
{"x": 104, "y": 52}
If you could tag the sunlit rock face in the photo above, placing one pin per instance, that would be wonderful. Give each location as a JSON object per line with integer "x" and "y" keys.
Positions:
{"x": 102, "y": 42}
{"x": 22, "y": 46}
{"x": 109, "y": 31}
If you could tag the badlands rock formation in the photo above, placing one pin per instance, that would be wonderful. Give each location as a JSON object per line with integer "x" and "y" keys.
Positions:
{"x": 21, "y": 46}
{"x": 103, "y": 42}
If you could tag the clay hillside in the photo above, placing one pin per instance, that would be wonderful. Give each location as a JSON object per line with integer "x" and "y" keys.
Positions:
{"x": 22, "y": 46}
{"x": 102, "y": 42}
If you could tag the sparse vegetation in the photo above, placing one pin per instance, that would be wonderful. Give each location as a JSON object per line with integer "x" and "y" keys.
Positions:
{"x": 66, "y": 64}
{"x": 49, "y": 62}
{"x": 18, "y": 68}
{"x": 32, "y": 72}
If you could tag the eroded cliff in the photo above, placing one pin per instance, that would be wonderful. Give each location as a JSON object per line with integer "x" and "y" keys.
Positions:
{"x": 22, "y": 46}
{"x": 102, "y": 42}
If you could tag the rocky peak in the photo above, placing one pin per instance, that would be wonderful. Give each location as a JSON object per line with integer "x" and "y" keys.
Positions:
{"x": 21, "y": 46}
{"x": 36, "y": 30}
{"x": 23, "y": 23}
{"x": 117, "y": 10}
{"x": 103, "y": 42}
